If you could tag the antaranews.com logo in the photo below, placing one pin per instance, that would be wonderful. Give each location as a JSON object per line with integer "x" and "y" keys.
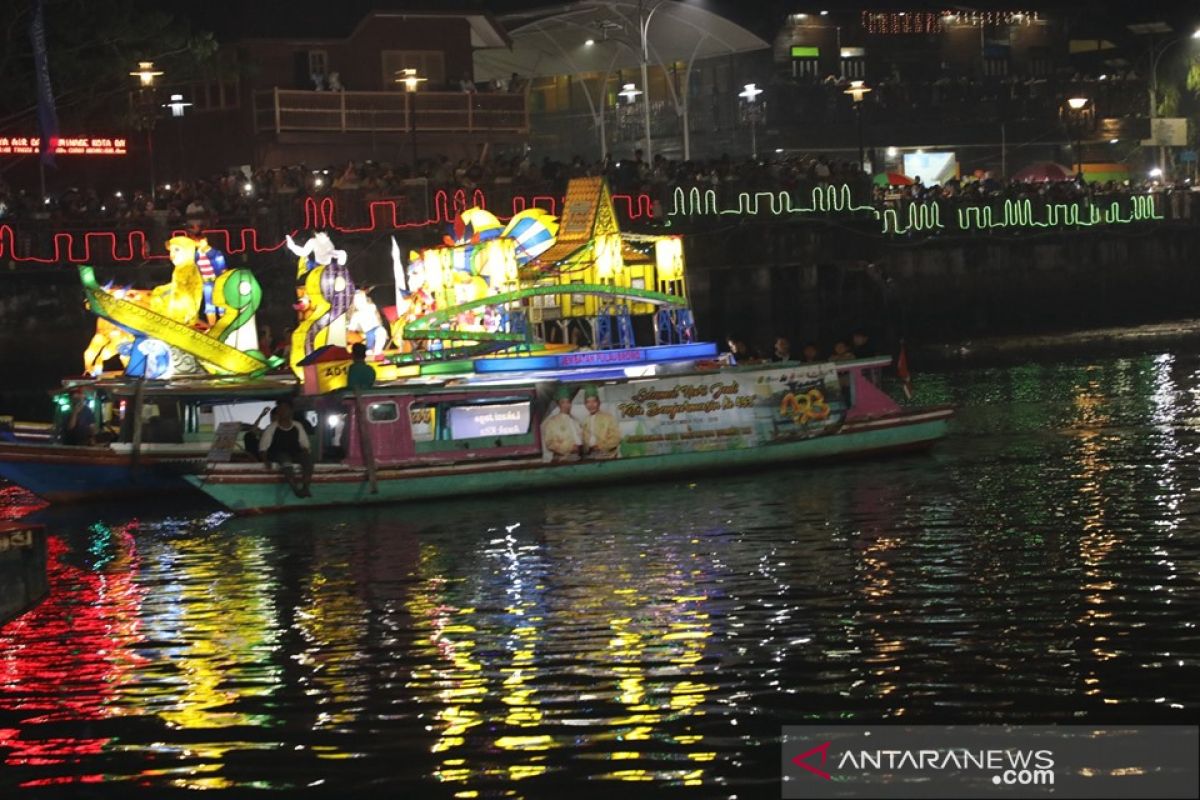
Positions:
{"x": 989, "y": 761}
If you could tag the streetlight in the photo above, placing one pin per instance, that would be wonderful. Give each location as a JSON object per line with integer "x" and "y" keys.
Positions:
{"x": 750, "y": 93}
{"x": 858, "y": 90}
{"x": 630, "y": 92}
{"x": 1078, "y": 104}
{"x": 147, "y": 112}
{"x": 412, "y": 81}
{"x": 177, "y": 106}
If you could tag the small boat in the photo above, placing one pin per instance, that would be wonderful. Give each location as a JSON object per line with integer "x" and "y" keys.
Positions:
{"x": 534, "y": 432}
{"x": 160, "y": 431}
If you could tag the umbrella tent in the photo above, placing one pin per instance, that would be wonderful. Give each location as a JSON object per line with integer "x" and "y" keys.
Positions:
{"x": 892, "y": 179}
{"x": 1044, "y": 171}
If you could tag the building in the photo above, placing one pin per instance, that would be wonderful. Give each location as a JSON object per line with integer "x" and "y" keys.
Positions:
{"x": 323, "y": 99}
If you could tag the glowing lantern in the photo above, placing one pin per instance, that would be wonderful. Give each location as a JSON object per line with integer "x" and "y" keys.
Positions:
{"x": 608, "y": 256}
{"x": 668, "y": 258}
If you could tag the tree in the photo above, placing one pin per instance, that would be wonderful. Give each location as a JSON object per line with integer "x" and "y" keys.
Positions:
{"x": 92, "y": 45}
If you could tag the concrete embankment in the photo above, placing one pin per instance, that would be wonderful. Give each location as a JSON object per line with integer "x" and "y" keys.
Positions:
{"x": 817, "y": 282}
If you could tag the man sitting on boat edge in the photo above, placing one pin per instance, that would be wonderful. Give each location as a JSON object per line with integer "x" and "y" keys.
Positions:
{"x": 285, "y": 443}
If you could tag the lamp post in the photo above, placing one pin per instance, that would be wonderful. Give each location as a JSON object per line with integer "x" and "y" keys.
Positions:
{"x": 631, "y": 93}
{"x": 177, "y": 106}
{"x": 644, "y": 18}
{"x": 1077, "y": 105}
{"x": 412, "y": 82}
{"x": 750, "y": 93}
{"x": 858, "y": 90}
{"x": 147, "y": 114}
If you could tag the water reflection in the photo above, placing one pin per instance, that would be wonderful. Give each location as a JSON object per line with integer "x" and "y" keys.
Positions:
{"x": 1038, "y": 567}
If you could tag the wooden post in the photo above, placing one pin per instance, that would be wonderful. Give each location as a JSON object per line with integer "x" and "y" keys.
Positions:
{"x": 364, "y": 440}
{"x": 139, "y": 396}
{"x": 342, "y": 105}
{"x": 276, "y": 110}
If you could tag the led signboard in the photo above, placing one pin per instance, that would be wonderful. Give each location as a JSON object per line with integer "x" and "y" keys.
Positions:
{"x": 64, "y": 146}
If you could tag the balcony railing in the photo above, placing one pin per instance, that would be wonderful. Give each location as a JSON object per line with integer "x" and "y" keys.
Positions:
{"x": 281, "y": 110}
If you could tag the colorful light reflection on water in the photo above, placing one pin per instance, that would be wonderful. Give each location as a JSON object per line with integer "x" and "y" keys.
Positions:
{"x": 1041, "y": 566}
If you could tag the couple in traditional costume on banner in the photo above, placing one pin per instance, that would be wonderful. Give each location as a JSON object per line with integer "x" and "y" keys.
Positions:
{"x": 565, "y": 437}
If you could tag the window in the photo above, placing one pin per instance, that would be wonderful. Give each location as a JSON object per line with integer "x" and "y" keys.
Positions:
{"x": 318, "y": 62}
{"x": 854, "y": 68}
{"x": 383, "y": 412}
{"x": 806, "y": 68}
{"x": 429, "y": 64}
{"x": 577, "y": 299}
{"x": 995, "y": 67}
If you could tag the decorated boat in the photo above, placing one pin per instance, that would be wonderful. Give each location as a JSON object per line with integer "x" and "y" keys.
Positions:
{"x": 648, "y": 420}
{"x": 154, "y": 433}
{"x": 190, "y": 361}
{"x": 503, "y": 345}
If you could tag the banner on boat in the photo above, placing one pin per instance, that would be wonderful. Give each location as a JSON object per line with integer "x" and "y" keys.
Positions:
{"x": 692, "y": 413}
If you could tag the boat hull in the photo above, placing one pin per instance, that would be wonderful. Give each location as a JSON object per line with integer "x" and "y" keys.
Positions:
{"x": 63, "y": 474}
{"x": 256, "y": 492}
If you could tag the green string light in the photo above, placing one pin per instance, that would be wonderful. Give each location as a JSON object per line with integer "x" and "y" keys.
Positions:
{"x": 917, "y": 217}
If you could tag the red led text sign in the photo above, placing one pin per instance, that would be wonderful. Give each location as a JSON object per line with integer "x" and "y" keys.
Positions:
{"x": 63, "y": 146}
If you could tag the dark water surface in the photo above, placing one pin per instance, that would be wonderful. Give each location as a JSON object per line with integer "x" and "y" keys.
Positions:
{"x": 1041, "y": 565}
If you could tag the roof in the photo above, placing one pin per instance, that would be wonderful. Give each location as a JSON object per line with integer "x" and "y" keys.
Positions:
{"x": 486, "y": 31}
{"x": 553, "y": 41}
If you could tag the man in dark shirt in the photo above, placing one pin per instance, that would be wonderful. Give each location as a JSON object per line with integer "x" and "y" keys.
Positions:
{"x": 361, "y": 374}
{"x": 285, "y": 443}
{"x": 81, "y": 423}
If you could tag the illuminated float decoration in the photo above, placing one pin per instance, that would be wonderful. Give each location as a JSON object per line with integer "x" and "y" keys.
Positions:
{"x": 481, "y": 258}
{"x": 568, "y": 283}
{"x": 323, "y": 300}
{"x": 160, "y": 334}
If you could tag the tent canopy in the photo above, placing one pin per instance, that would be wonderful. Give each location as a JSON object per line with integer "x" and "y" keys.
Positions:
{"x": 553, "y": 41}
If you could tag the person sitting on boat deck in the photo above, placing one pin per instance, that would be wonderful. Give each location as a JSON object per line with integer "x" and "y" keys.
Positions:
{"x": 284, "y": 442}
{"x": 81, "y": 423}
{"x": 810, "y": 354}
{"x": 254, "y": 433}
{"x": 841, "y": 352}
{"x": 783, "y": 349}
{"x": 601, "y": 433}
{"x": 361, "y": 374}
{"x": 561, "y": 435}
{"x": 860, "y": 343}
{"x": 738, "y": 351}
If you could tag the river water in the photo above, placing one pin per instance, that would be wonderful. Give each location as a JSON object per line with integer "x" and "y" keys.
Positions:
{"x": 1040, "y": 565}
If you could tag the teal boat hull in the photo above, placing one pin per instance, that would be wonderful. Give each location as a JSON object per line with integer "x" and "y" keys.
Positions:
{"x": 259, "y": 491}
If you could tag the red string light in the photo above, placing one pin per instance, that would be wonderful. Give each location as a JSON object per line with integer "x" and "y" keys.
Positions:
{"x": 319, "y": 214}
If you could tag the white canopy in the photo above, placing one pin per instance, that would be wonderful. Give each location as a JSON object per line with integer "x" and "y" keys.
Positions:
{"x": 601, "y": 36}
{"x": 553, "y": 41}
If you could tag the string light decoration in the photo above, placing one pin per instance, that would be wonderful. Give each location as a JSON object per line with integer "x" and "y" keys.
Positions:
{"x": 384, "y": 215}
{"x": 925, "y": 22}
{"x": 920, "y": 217}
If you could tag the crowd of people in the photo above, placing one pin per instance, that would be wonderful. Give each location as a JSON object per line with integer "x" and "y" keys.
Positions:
{"x": 857, "y": 345}
{"x": 272, "y": 199}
